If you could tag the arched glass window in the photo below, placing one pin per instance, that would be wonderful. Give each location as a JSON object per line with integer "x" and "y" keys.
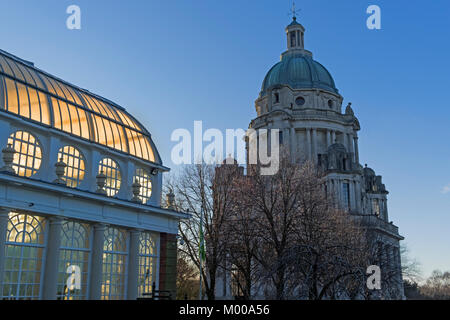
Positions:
{"x": 147, "y": 262}
{"x": 144, "y": 179}
{"x": 75, "y": 169}
{"x": 114, "y": 264}
{"x": 23, "y": 257}
{"x": 28, "y": 156}
{"x": 73, "y": 261}
{"x": 113, "y": 178}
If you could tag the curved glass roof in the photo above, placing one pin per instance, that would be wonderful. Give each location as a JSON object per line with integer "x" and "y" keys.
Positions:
{"x": 38, "y": 96}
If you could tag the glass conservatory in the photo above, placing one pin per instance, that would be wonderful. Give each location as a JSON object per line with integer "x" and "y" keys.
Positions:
{"x": 80, "y": 194}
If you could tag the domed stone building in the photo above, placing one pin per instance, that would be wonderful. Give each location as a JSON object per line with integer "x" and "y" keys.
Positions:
{"x": 80, "y": 190}
{"x": 299, "y": 97}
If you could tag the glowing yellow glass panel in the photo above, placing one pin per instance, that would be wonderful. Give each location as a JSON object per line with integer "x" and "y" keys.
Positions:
{"x": 108, "y": 112}
{"x": 98, "y": 107}
{"x": 90, "y": 103}
{"x": 109, "y": 134}
{"x": 111, "y": 170}
{"x": 75, "y": 96}
{"x": 24, "y": 103}
{"x": 117, "y": 136}
{"x": 144, "y": 179}
{"x": 131, "y": 147}
{"x": 28, "y": 156}
{"x": 44, "y": 108}
{"x": 142, "y": 140}
{"x": 25, "y": 229}
{"x": 151, "y": 155}
{"x": 36, "y": 79}
{"x": 12, "y": 103}
{"x": 134, "y": 137}
{"x": 57, "y": 123}
{"x": 65, "y": 117}
{"x": 75, "y": 122}
{"x": 35, "y": 107}
{"x": 101, "y": 135}
{"x": 49, "y": 86}
{"x": 83, "y": 124}
{"x": 126, "y": 120}
{"x": 66, "y": 92}
{"x": 122, "y": 138}
{"x": 59, "y": 92}
{"x": 75, "y": 169}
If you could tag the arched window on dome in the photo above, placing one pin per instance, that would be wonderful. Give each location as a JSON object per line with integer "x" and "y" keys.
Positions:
{"x": 144, "y": 179}
{"x": 28, "y": 156}
{"x": 111, "y": 170}
{"x": 75, "y": 169}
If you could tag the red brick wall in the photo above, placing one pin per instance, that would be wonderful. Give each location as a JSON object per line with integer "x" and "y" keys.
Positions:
{"x": 168, "y": 263}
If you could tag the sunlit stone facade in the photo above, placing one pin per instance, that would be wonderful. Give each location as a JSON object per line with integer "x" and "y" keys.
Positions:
{"x": 300, "y": 99}
{"x": 80, "y": 194}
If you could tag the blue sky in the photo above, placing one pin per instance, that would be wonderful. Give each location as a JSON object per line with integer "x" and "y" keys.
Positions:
{"x": 172, "y": 62}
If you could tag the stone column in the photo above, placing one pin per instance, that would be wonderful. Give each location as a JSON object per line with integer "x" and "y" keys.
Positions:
{"x": 4, "y": 218}
{"x": 351, "y": 148}
{"x": 314, "y": 144}
{"x": 351, "y": 185}
{"x": 286, "y": 137}
{"x": 386, "y": 213}
{"x": 328, "y": 138}
{"x": 390, "y": 259}
{"x": 333, "y": 137}
{"x": 293, "y": 145}
{"x": 355, "y": 139}
{"x": 96, "y": 267}
{"x": 379, "y": 256}
{"x": 52, "y": 258}
{"x": 133, "y": 265}
{"x": 398, "y": 263}
{"x": 345, "y": 141}
{"x": 308, "y": 142}
{"x": 358, "y": 197}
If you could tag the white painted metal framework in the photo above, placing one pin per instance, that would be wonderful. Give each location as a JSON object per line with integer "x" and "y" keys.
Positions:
{"x": 75, "y": 234}
{"x": 28, "y": 156}
{"x": 75, "y": 165}
{"x": 147, "y": 262}
{"x": 24, "y": 253}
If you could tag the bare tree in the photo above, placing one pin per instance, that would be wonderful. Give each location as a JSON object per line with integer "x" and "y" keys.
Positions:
{"x": 328, "y": 253}
{"x": 187, "y": 279}
{"x": 303, "y": 245}
{"x": 275, "y": 202}
{"x": 197, "y": 189}
{"x": 243, "y": 241}
{"x": 437, "y": 286}
{"x": 411, "y": 268}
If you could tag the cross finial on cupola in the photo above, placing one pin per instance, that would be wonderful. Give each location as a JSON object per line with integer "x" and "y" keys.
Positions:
{"x": 294, "y": 11}
{"x": 295, "y": 31}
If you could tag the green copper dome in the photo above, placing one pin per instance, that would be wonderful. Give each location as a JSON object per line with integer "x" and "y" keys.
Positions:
{"x": 299, "y": 71}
